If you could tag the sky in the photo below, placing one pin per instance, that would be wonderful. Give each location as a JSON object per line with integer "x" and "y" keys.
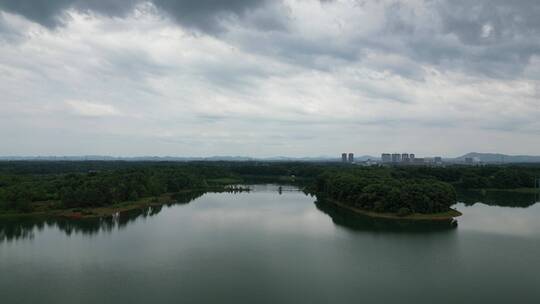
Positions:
{"x": 269, "y": 77}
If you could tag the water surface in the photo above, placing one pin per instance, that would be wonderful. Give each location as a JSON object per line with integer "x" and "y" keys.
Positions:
{"x": 272, "y": 247}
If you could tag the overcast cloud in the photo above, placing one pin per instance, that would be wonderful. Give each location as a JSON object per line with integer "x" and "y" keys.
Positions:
{"x": 266, "y": 78}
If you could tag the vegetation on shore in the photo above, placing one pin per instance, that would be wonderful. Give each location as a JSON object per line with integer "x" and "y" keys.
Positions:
{"x": 508, "y": 177}
{"x": 100, "y": 192}
{"x": 372, "y": 192}
{"x": 56, "y": 209}
{"x": 97, "y": 188}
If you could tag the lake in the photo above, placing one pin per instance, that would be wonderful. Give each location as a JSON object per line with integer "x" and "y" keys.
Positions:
{"x": 272, "y": 246}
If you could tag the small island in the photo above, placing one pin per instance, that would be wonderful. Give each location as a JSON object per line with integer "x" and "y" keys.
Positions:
{"x": 384, "y": 196}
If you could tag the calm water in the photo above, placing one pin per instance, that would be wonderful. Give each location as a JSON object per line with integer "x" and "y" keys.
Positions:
{"x": 267, "y": 247}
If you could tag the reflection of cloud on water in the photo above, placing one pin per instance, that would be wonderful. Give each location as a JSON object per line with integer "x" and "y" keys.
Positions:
{"x": 501, "y": 220}
{"x": 266, "y": 211}
{"x": 278, "y": 218}
{"x": 502, "y": 198}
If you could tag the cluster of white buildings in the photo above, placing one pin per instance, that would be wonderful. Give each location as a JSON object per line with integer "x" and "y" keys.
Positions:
{"x": 409, "y": 159}
{"x": 394, "y": 159}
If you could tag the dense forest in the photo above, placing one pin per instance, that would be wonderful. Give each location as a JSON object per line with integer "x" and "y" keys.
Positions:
{"x": 25, "y": 185}
{"x": 426, "y": 190}
{"x": 381, "y": 193}
{"x": 95, "y": 184}
{"x": 468, "y": 177}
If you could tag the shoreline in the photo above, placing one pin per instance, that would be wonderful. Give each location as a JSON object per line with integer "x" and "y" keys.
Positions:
{"x": 107, "y": 211}
{"x": 95, "y": 212}
{"x": 443, "y": 216}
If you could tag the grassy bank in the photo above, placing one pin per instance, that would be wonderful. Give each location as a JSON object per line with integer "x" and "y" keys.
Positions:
{"x": 443, "y": 216}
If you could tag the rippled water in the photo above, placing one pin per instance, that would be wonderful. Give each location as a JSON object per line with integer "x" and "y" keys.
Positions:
{"x": 272, "y": 247}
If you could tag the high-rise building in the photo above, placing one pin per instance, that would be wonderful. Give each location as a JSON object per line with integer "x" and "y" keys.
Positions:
{"x": 438, "y": 160}
{"x": 386, "y": 158}
{"x": 405, "y": 157}
{"x": 351, "y": 157}
{"x": 396, "y": 157}
{"x": 411, "y": 157}
{"x": 343, "y": 157}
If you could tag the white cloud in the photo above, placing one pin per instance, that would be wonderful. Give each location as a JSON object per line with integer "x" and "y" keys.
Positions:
{"x": 487, "y": 30}
{"x": 90, "y": 109}
{"x": 337, "y": 76}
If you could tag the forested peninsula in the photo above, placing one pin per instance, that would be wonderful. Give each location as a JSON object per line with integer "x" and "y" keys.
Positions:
{"x": 381, "y": 195}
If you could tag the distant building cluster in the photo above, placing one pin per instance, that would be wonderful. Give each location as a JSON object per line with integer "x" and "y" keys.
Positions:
{"x": 408, "y": 159}
{"x": 347, "y": 158}
{"x": 402, "y": 159}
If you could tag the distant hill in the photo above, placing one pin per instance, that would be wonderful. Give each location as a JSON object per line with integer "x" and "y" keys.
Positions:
{"x": 168, "y": 158}
{"x": 182, "y": 159}
{"x": 120, "y": 158}
{"x": 500, "y": 158}
{"x": 319, "y": 158}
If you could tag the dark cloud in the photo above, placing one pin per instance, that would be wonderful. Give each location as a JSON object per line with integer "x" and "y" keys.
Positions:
{"x": 507, "y": 19}
{"x": 498, "y": 37}
{"x": 204, "y": 15}
{"x": 49, "y": 13}
{"x": 43, "y": 12}
{"x": 495, "y": 38}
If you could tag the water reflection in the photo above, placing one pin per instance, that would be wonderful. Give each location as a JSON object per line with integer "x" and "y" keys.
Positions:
{"x": 26, "y": 228}
{"x": 500, "y": 220}
{"x": 499, "y": 198}
{"x": 356, "y": 222}
{"x": 21, "y": 228}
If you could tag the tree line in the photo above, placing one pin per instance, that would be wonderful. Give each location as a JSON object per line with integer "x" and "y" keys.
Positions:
{"x": 70, "y": 184}
{"x": 95, "y": 189}
{"x": 496, "y": 177}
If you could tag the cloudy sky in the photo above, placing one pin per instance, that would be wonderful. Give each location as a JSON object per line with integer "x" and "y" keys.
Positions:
{"x": 269, "y": 77}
